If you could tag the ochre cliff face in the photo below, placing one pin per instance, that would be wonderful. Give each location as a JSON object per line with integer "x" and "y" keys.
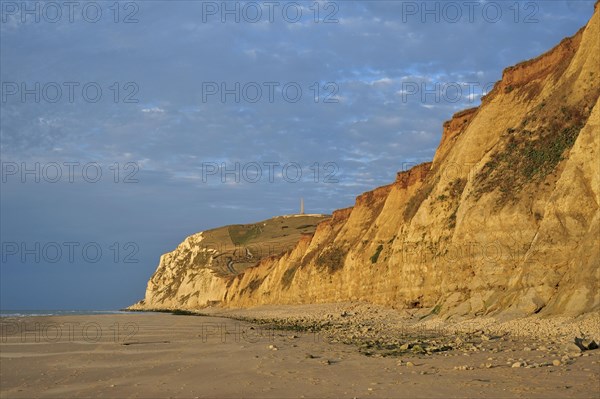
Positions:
{"x": 505, "y": 218}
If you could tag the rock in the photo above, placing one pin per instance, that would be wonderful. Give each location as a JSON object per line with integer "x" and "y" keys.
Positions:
{"x": 572, "y": 348}
{"x": 488, "y": 365}
{"x": 273, "y": 347}
{"x": 517, "y": 365}
{"x": 556, "y": 362}
{"x": 526, "y": 349}
{"x": 589, "y": 344}
{"x": 410, "y": 364}
{"x": 405, "y": 346}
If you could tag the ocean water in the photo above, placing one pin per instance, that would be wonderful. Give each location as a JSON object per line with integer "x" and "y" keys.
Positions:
{"x": 45, "y": 312}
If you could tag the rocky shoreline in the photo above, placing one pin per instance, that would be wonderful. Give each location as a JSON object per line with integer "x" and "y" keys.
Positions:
{"x": 415, "y": 336}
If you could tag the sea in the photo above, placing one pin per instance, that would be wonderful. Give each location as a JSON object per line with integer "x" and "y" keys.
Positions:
{"x": 45, "y": 312}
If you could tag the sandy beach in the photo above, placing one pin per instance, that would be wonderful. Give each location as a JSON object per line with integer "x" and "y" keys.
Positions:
{"x": 143, "y": 355}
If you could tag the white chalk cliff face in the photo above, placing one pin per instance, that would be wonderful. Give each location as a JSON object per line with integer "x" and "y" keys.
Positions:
{"x": 503, "y": 220}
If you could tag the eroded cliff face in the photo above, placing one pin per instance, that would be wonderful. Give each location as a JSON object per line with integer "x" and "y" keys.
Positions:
{"x": 505, "y": 218}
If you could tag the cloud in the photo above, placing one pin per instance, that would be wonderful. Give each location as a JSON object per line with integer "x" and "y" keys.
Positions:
{"x": 153, "y": 110}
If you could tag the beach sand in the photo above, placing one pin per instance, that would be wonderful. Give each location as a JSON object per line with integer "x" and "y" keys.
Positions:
{"x": 143, "y": 355}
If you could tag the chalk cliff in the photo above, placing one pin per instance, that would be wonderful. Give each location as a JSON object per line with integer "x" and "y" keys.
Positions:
{"x": 505, "y": 219}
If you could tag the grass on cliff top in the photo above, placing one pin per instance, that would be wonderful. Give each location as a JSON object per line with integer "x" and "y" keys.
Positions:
{"x": 241, "y": 234}
{"x": 243, "y": 245}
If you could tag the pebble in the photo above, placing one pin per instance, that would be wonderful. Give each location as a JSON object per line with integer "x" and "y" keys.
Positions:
{"x": 410, "y": 364}
{"x": 516, "y": 365}
{"x": 556, "y": 362}
{"x": 273, "y": 347}
{"x": 463, "y": 368}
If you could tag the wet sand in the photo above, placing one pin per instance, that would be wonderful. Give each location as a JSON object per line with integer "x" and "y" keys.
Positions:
{"x": 142, "y": 355}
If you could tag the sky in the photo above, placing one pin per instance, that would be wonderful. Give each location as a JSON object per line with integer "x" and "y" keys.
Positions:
{"x": 125, "y": 127}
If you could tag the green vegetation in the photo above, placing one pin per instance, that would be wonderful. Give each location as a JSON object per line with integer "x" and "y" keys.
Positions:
{"x": 376, "y": 254}
{"x": 528, "y": 157}
{"x": 436, "y": 310}
{"x": 450, "y": 199}
{"x": 455, "y": 190}
{"x": 416, "y": 200}
{"x": 305, "y": 226}
{"x": 288, "y": 276}
{"x": 241, "y": 234}
{"x": 252, "y": 286}
{"x": 332, "y": 259}
{"x": 452, "y": 220}
{"x": 237, "y": 247}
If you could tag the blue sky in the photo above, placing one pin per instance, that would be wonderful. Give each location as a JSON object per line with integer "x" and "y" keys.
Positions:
{"x": 368, "y": 85}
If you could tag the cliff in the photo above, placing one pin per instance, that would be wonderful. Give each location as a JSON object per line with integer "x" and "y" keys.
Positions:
{"x": 503, "y": 220}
